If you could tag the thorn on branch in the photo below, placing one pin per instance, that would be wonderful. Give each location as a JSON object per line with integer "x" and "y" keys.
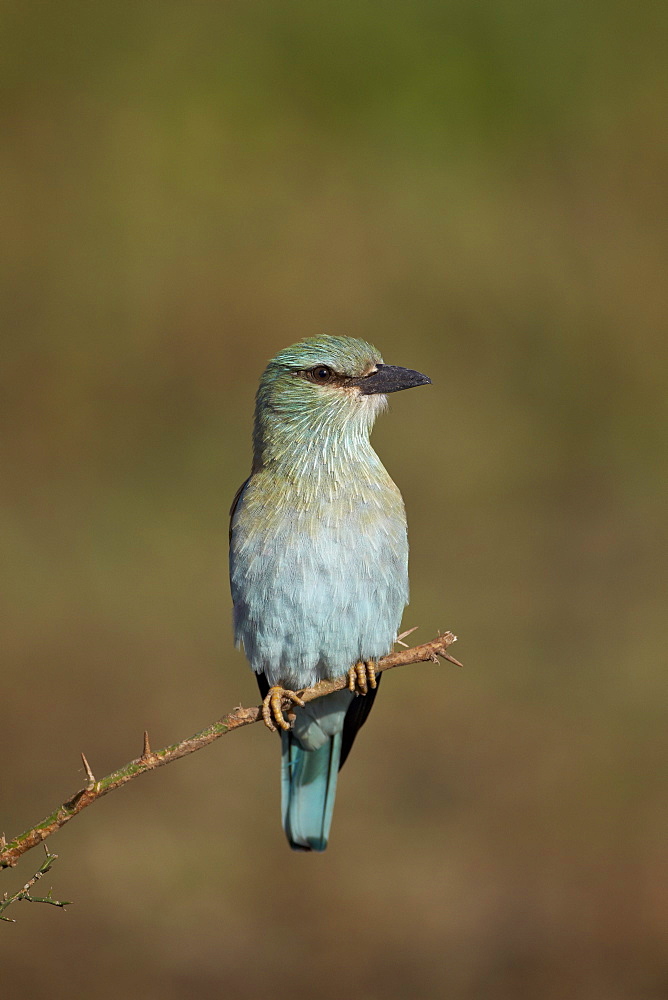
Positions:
{"x": 146, "y": 752}
{"x": 451, "y": 659}
{"x": 90, "y": 777}
{"x": 404, "y": 634}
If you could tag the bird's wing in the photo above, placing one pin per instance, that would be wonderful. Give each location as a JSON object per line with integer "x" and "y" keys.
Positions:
{"x": 355, "y": 718}
{"x": 237, "y": 498}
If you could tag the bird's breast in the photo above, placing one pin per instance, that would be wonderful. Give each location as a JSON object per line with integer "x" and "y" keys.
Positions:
{"x": 319, "y": 576}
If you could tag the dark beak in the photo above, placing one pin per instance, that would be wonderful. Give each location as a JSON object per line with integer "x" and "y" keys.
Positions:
{"x": 389, "y": 378}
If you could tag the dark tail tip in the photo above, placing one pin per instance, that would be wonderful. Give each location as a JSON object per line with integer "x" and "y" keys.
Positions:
{"x": 318, "y": 844}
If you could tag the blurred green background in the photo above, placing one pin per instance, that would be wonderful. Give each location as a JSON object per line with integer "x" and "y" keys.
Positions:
{"x": 479, "y": 189}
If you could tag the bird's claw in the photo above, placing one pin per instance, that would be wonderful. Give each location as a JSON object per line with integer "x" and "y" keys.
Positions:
{"x": 272, "y": 707}
{"x": 361, "y": 677}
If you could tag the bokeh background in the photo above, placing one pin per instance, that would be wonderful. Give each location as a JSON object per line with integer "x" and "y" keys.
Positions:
{"x": 479, "y": 189}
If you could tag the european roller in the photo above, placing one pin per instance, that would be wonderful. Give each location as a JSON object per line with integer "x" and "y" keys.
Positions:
{"x": 318, "y": 561}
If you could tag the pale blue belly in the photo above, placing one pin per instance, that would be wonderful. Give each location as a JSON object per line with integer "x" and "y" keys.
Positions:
{"x": 314, "y": 592}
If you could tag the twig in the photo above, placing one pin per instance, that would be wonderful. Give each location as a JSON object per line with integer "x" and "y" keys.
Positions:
{"x": 150, "y": 759}
{"x": 24, "y": 893}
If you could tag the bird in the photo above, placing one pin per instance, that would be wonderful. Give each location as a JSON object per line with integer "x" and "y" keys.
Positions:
{"x": 318, "y": 561}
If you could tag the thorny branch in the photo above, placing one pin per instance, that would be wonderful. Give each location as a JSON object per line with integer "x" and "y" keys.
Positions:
{"x": 93, "y": 790}
{"x": 24, "y": 893}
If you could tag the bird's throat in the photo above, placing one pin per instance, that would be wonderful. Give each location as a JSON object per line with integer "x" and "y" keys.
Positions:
{"x": 326, "y": 444}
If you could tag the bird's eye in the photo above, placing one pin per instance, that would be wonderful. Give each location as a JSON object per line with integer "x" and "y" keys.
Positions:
{"x": 320, "y": 374}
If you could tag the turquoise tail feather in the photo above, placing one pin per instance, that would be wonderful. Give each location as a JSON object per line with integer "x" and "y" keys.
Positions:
{"x": 308, "y": 790}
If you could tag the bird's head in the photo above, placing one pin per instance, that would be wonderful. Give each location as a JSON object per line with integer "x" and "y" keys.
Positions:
{"x": 321, "y": 390}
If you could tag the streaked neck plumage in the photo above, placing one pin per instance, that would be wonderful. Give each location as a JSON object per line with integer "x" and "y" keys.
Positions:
{"x": 325, "y": 438}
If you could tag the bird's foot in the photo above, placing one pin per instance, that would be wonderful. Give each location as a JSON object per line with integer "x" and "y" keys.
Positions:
{"x": 272, "y": 707}
{"x": 361, "y": 677}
